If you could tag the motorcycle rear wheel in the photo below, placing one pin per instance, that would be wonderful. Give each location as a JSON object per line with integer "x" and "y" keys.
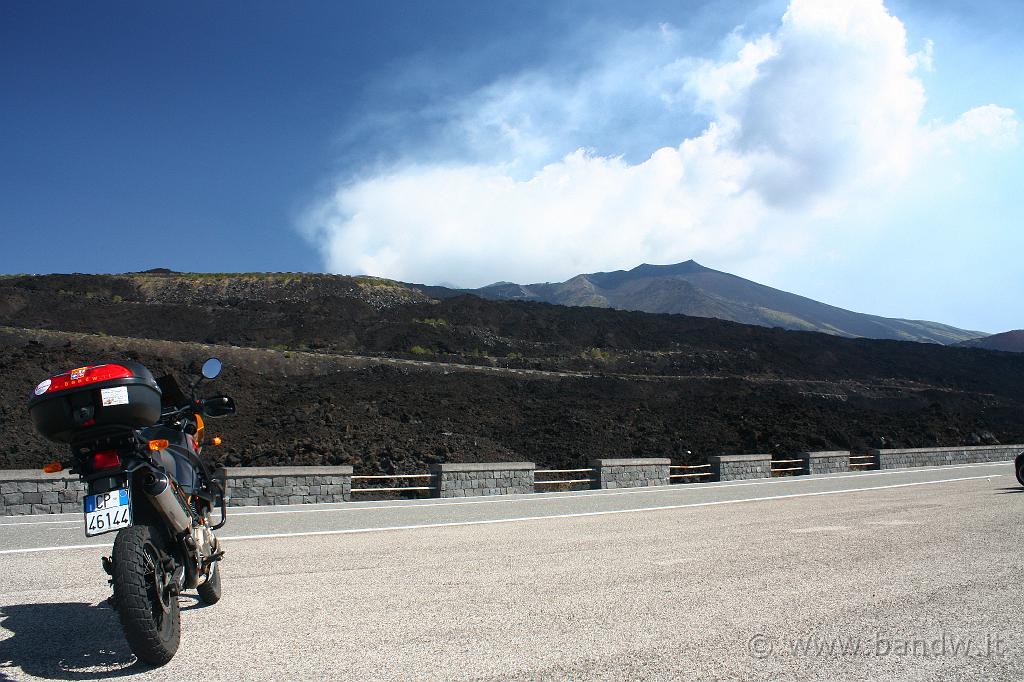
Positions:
{"x": 145, "y": 595}
{"x": 1019, "y": 466}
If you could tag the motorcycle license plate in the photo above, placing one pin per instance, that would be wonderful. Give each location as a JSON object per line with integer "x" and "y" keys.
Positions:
{"x": 107, "y": 512}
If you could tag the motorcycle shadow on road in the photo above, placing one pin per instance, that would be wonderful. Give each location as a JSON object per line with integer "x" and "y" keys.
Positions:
{"x": 73, "y": 641}
{"x": 1009, "y": 491}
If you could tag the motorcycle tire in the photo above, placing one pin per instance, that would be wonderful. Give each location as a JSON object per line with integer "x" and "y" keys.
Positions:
{"x": 1018, "y": 465}
{"x": 145, "y": 595}
{"x": 209, "y": 592}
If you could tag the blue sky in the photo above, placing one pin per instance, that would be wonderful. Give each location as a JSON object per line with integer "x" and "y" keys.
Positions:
{"x": 865, "y": 155}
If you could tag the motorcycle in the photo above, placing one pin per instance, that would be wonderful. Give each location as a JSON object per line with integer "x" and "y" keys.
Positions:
{"x": 136, "y": 442}
{"x": 1018, "y": 466}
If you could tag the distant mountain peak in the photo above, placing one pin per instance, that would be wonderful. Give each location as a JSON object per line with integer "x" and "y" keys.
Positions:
{"x": 684, "y": 268}
{"x": 618, "y": 277}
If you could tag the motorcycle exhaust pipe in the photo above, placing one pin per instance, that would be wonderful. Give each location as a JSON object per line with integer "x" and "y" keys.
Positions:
{"x": 160, "y": 493}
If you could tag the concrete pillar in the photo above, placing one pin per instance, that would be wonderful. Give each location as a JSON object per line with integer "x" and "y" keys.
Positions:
{"x": 740, "y": 467}
{"x": 632, "y": 472}
{"x": 827, "y": 462}
{"x": 470, "y": 480}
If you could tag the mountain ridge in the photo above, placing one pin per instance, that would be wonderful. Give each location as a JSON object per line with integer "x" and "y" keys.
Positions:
{"x": 690, "y": 288}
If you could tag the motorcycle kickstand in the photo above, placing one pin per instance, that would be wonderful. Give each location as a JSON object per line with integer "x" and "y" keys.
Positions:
{"x": 108, "y": 568}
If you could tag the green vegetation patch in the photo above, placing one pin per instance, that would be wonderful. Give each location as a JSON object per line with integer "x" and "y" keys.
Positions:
{"x": 277, "y": 277}
{"x": 432, "y": 321}
{"x": 368, "y": 282}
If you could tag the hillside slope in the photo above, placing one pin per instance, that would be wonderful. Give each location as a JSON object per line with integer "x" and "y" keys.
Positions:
{"x": 312, "y": 409}
{"x": 626, "y": 383}
{"x": 1011, "y": 341}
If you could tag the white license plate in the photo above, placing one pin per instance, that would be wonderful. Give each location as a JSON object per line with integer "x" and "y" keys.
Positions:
{"x": 107, "y": 512}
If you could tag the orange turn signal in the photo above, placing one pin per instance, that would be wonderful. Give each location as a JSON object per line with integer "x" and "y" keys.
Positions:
{"x": 158, "y": 444}
{"x": 53, "y": 467}
{"x": 217, "y": 440}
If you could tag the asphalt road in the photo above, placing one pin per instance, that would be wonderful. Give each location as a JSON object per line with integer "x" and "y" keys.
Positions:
{"x": 908, "y": 575}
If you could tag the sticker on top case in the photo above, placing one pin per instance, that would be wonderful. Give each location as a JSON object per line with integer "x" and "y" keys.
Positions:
{"x": 114, "y": 396}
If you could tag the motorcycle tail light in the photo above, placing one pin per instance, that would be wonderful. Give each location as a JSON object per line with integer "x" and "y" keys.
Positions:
{"x": 106, "y": 459}
{"x": 83, "y": 376}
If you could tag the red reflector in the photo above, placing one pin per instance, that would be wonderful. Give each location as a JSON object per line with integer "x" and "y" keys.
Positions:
{"x": 84, "y": 376}
{"x": 107, "y": 459}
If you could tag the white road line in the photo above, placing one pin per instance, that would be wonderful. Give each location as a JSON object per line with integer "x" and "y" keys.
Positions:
{"x": 609, "y": 512}
{"x": 541, "y": 496}
{"x": 52, "y": 549}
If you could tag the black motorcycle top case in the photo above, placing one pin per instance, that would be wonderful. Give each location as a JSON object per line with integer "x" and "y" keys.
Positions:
{"x": 94, "y": 400}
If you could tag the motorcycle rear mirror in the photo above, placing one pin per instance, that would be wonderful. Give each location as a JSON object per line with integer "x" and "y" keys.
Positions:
{"x": 211, "y": 368}
{"x": 220, "y": 406}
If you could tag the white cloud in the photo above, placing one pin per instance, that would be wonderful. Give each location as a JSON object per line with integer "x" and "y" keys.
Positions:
{"x": 990, "y": 125}
{"x": 821, "y": 113}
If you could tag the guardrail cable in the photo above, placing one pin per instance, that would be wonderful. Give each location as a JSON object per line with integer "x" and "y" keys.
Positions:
{"x": 566, "y": 481}
{"x": 863, "y": 461}
{"x": 562, "y": 471}
{"x": 391, "y": 477}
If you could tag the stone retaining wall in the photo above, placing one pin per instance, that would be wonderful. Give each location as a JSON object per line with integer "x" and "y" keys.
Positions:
{"x": 740, "y": 467}
{"x": 469, "y": 480}
{"x": 261, "y": 486}
{"x": 923, "y": 457}
{"x": 828, "y": 462}
{"x": 33, "y": 492}
{"x": 630, "y": 473}
{"x": 30, "y": 491}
